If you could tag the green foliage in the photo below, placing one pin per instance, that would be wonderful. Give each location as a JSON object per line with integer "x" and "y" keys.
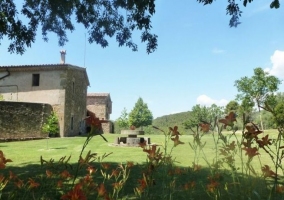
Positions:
{"x": 279, "y": 114}
{"x": 232, "y": 106}
{"x": 140, "y": 115}
{"x": 177, "y": 119}
{"x": 256, "y": 88}
{"x": 123, "y": 121}
{"x": 51, "y": 126}
{"x": 1, "y": 98}
{"x": 202, "y": 114}
{"x": 101, "y": 19}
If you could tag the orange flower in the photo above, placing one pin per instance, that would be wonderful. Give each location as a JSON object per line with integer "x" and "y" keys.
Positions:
{"x": 32, "y": 183}
{"x": 251, "y": 152}
{"x": 267, "y": 172}
{"x": 252, "y": 131}
{"x": 152, "y": 153}
{"x": 212, "y": 186}
{"x": 101, "y": 190}
{"x": 174, "y": 131}
{"x": 189, "y": 185}
{"x": 176, "y": 140}
{"x": 12, "y": 176}
{"x": 280, "y": 189}
{"x": 264, "y": 142}
{"x": 115, "y": 173}
{"x": 229, "y": 119}
{"x": 65, "y": 174}
{"x": 48, "y": 173}
{"x": 204, "y": 127}
{"x": 3, "y": 160}
{"x": 130, "y": 164}
{"x": 60, "y": 184}
{"x": 105, "y": 165}
{"x": 19, "y": 183}
{"x": 75, "y": 194}
{"x": 91, "y": 170}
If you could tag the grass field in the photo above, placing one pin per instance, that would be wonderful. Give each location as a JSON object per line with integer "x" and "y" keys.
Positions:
{"x": 29, "y": 152}
{"x": 26, "y": 162}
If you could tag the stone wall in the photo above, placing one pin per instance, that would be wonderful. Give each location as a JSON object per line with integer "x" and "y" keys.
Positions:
{"x": 20, "y": 120}
{"x": 75, "y": 102}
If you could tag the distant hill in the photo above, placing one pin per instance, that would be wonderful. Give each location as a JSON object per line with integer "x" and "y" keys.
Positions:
{"x": 172, "y": 120}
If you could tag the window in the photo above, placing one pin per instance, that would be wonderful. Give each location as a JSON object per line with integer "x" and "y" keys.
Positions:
{"x": 35, "y": 79}
{"x": 73, "y": 87}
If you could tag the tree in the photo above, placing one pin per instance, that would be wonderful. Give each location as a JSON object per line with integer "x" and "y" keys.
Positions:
{"x": 202, "y": 114}
{"x": 123, "y": 121}
{"x": 140, "y": 115}
{"x": 233, "y": 9}
{"x": 232, "y": 106}
{"x": 256, "y": 90}
{"x": 101, "y": 18}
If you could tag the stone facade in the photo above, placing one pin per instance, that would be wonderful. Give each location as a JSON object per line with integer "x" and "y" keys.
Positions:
{"x": 22, "y": 120}
{"x": 63, "y": 86}
{"x": 101, "y": 105}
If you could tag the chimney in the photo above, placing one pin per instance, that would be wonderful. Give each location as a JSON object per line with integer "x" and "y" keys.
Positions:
{"x": 63, "y": 53}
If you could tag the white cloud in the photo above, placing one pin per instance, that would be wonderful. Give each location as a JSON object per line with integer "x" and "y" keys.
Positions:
{"x": 207, "y": 101}
{"x": 277, "y": 60}
{"x": 218, "y": 51}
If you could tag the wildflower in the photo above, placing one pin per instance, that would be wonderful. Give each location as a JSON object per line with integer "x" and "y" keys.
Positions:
{"x": 196, "y": 167}
{"x": 204, "y": 127}
{"x": 75, "y": 194}
{"x": 91, "y": 170}
{"x": 153, "y": 154}
{"x": 12, "y": 176}
{"x": 229, "y": 119}
{"x": 19, "y": 183}
{"x": 264, "y": 142}
{"x": 189, "y": 185}
{"x": 32, "y": 183}
{"x": 252, "y": 131}
{"x": 176, "y": 141}
{"x": 105, "y": 165}
{"x": 117, "y": 185}
{"x": 3, "y": 160}
{"x": 174, "y": 131}
{"x": 267, "y": 172}
{"x": 142, "y": 184}
{"x": 280, "y": 189}
{"x": 48, "y": 173}
{"x": 65, "y": 174}
{"x": 60, "y": 184}
{"x": 115, "y": 173}
{"x": 212, "y": 186}
{"x": 101, "y": 190}
{"x": 251, "y": 152}
{"x": 130, "y": 164}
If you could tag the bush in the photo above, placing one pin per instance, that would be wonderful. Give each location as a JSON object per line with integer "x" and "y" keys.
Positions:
{"x": 52, "y": 126}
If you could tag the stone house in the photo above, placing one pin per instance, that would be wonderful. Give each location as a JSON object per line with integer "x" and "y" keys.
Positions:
{"x": 63, "y": 86}
{"x": 101, "y": 105}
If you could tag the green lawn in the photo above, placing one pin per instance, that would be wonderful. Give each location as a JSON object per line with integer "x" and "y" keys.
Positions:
{"x": 26, "y": 163}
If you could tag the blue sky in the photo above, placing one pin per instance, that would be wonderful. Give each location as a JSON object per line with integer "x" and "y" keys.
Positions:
{"x": 197, "y": 61}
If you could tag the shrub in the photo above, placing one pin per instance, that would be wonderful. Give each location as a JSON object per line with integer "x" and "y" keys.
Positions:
{"x": 51, "y": 127}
